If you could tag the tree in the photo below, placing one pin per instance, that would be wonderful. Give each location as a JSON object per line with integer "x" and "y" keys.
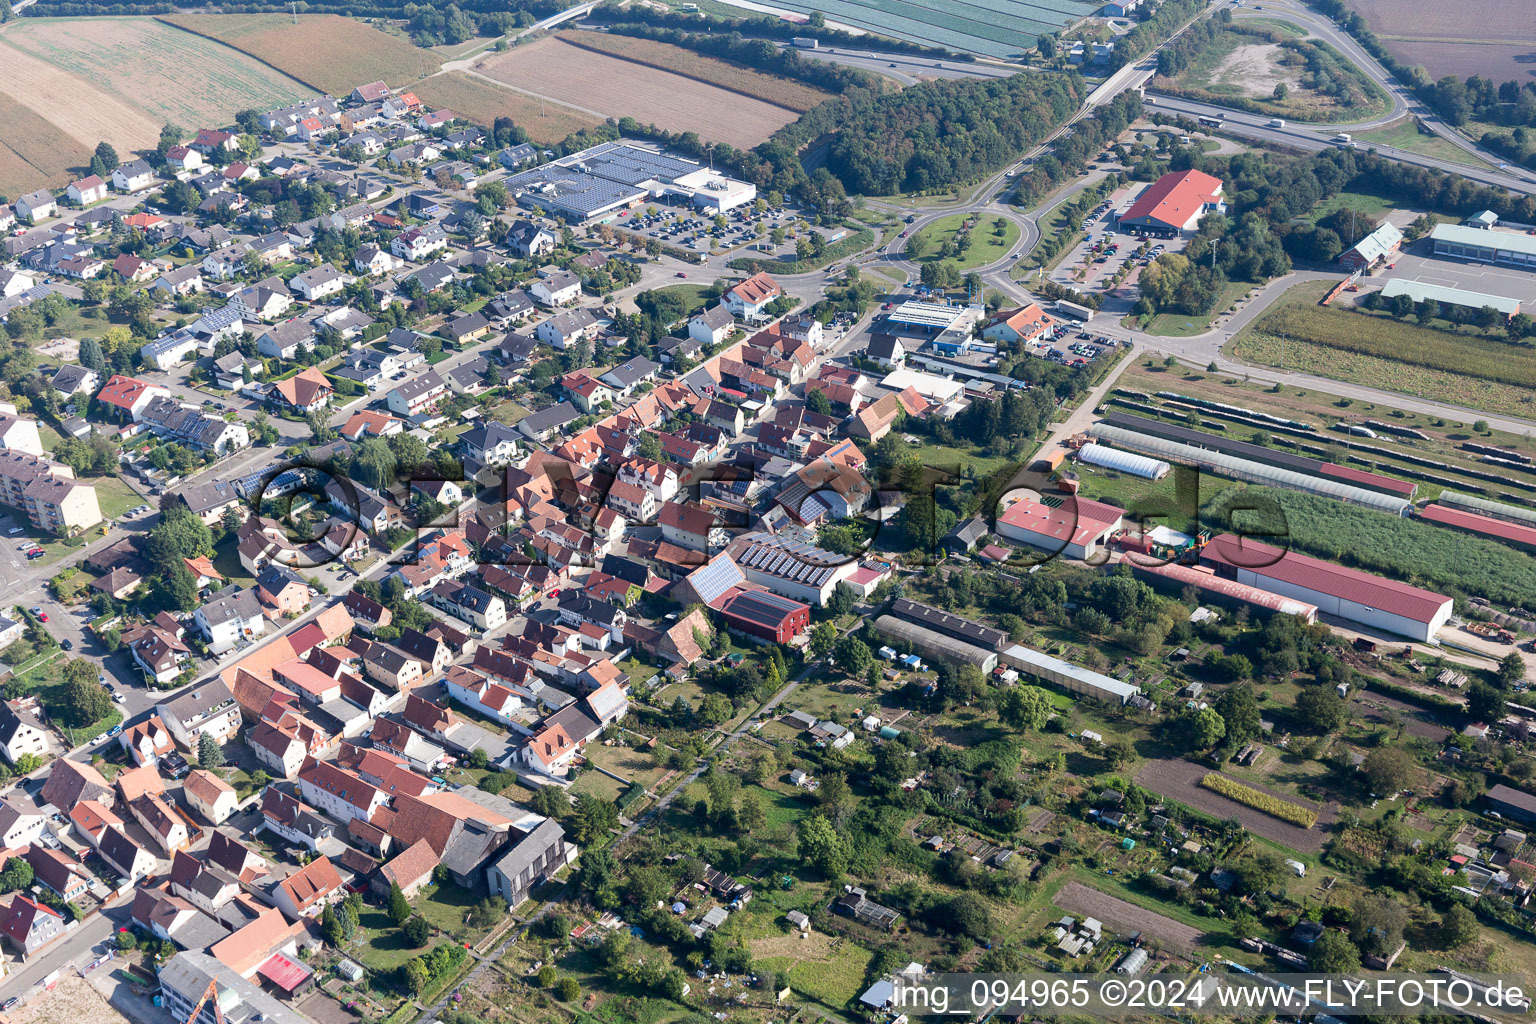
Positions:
{"x": 816, "y": 401}
{"x": 91, "y": 355}
{"x": 1377, "y": 924}
{"x": 964, "y": 913}
{"x": 1333, "y": 953}
{"x": 1511, "y": 669}
{"x": 1320, "y": 709}
{"x": 208, "y": 753}
{"x": 84, "y": 702}
{"x": 399, "y": 909}
{"x": 819, "y": 845}
{"x": 1024, "y": 707}
{"x": 178, "y": 535}
{"x": 1263, "y": 872}
{"x": 547, "y": 975}
{"x": 1458, "y": 927}
{"x": 1281, "y": 91}
{"x": 1204, "y": 728}
{"x": 1388, "y": 769}
{"x": 17, "y": 874}
{"x": 568, "y": 989}
{"x": 1239, "y": 712}
{"x": 107, "y": 155}
{"x": 854, "y": 655}
{"x": 416, "y": 931}
{"x": 823, "y": 638}
{"x": 330, "y": 926}
{"x": 415, "y": 971}
{"x": 1484, "y": 703}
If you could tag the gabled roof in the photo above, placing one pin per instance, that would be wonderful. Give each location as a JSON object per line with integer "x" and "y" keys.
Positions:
{"x": 1175, "y": 197}
{"x": 311, "y": 883}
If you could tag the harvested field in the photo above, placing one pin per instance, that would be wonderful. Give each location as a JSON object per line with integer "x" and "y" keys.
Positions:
{"x": 781, "y": 92}
{"x": 71, "y": 1002}
{"x": 1123, "y": 917}
{"x": 1496, "y": 38}
{"x": 331, "y": 53}
{"x": 616, "y": 87}
{"x": 482, "y": 102}
{"x": 33, "y": 152}
{"x": 1180, "y": 780}
{"x": 125, "y": 77}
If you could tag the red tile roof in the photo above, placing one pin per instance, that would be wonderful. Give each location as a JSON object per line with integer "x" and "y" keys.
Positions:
{"x": 1174, "y": 198}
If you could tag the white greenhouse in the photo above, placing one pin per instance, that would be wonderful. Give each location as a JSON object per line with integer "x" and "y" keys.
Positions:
{"x": 1124, "y": 462}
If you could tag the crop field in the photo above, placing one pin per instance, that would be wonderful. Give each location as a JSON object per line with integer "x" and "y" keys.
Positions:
{"x": 1248, "y": 796}
{"x": 1180, "y": 780}
{"x": 994, "y": 28}
{"x": 782, "y": 92}
{"x": 33, "y": 151}
{"x": 1467, "y": 369}
{"x": 482, "y": 102}
{"x": 1495, "y": 38}
{"x": 328, "y": 52}
{"x": 125, "y": 77}
{"x": 615, "y": 87}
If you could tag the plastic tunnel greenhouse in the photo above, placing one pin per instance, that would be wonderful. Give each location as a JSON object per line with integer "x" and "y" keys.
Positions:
{"x": 1125, "y": 462}
{"x": 1497, "y": 509}
{"x": 1247, "y": 471}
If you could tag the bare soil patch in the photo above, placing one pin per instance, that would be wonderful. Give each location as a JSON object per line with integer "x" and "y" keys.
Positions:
{"x": 70, "y": 1002}
{"x": 1180, "y": 780}
{"x": 1125, "y": 917}
{"x": 1254, "y": 70}
{"x": 616, "y": 87}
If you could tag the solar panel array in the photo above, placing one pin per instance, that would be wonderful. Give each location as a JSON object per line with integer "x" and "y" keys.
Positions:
{"x": 789, "y": 560}
{"x": 715, "y": 578}
{"x": 760, "y": 607}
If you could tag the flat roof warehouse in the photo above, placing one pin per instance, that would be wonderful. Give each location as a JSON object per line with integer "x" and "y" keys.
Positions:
{"x": 599, "y": 181}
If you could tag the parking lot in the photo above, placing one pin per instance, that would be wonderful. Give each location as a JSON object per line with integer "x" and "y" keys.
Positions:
{"x": 687, "y": 228}
{"x": 1105, "y": 254}
{"x": 1418, "y": 264}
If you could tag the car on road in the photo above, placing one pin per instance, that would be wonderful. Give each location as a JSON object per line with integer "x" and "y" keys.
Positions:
{"x": 35, "y": 610}
{"x": 681, "y": 274}
{"x": 67, "y": 644}
{"x": 13, "y": 531}
{"x": 10, "y": 1004}
{"x": 42, "y": 616}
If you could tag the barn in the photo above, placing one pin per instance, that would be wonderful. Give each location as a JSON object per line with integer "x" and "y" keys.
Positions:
{"x": 1348, "y": 594}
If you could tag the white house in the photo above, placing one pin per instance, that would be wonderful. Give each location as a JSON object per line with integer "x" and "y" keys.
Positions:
{"x": 712, "y": 326}
{"x": 749, "y": 298}
{"x": 557, "y": 289}
{"x": 36, "y": 206}
{"x": 133, "y": 176}
{"x": 87, "y": 190}
{"x": 417, "y": 395}
{"x": 228, "y": 617}
{"x": 319, "y": 283}
{"x": 418, "y": 243}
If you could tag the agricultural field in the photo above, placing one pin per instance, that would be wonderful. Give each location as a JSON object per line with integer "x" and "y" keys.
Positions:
{"x": 125, "y": 77}
{"x": 617, "y": 87}
{"x": 1493, "y": 38}
{"x": 483, "y": 101}
{"x": 782, "y": 92}
{"x": 1181, "y": 780}
{"x": 326, "y": 51}
{"x": 993, "y": 28}
{"x": 1462, "y": 367}
{"x": 1124, "y": 918}
{"x": 34, "y": 151}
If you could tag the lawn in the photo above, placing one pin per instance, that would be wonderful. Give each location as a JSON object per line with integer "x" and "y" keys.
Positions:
{"x": 384, "y": 948}
{"x": 114, "y": 495}
{"x": 226, "y": 559}
{"x": 986, "y": 245}
{"x": 47, "y": 681}
{"x": 1366, "y": 203}
{"x": 1177, "y": 325}
{"x": 833, "y": 979}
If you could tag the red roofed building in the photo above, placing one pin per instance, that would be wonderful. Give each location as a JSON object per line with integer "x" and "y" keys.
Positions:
{"x": 1025, "y": 325}
{"x": 1509, "y": 532}
{"x": 1073, "y": 526}
{"x": 1348, "y": 594}
{"x": 128, "y": 396}
{"x": 306, "y": 391}
{"x": 1174, "y": 204}
{"x": 750, "y": 297}
{"x": 29, "y": 926}
{"x": 306, "y": 892}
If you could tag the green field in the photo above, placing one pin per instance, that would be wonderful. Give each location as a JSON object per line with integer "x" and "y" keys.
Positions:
{"x": 986, "y": 245}
{"x": 1177, "y": 325}
{"x": 1407, "y": 135}
{"x": 1463, "y": 367}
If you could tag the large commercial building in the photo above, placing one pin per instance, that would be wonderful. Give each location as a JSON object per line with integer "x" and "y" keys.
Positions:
{"x": 1419, "y": 291}
{"x": 1348, "y": 594}
{"x": 1484, "y": 245}
{"x": 597, "y": 183}
{"x": 1174, "y": 204}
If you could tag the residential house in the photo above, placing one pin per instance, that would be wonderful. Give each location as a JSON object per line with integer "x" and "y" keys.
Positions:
{"x": 563, "y": 330}
{"x": 36, "y": 207}
{"x": 229, "y": 617}
{"x": 28, "y": 926}
{"x": 206, "y": 709}
{"x": 750, "y": 298}
{"x": 560, "y": 288}
{"x": 528, "y": 240}
{"x": 306, "y": 391}
{"x": 712, "y": 326}
{"x": 308, "y": 891}
{"x": 22, "y": 734}
{"x": 87, "y": 190}
{"x": 209, "y": 795}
